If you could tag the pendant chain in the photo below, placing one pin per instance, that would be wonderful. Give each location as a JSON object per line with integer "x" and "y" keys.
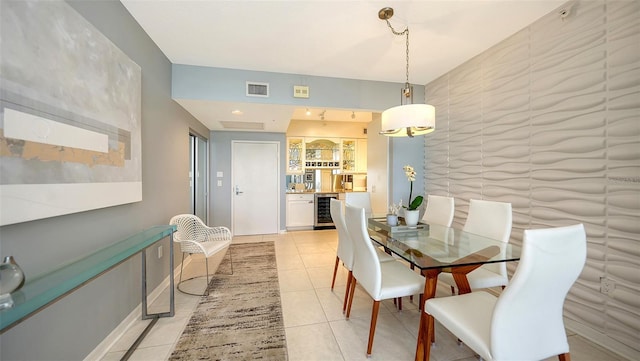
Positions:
{"x": 405, "y": 32}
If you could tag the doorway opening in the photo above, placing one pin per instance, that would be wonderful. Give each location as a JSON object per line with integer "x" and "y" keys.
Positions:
{"x": 198, "y": 178}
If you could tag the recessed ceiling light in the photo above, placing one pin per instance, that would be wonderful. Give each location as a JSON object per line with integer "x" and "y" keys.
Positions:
{"x": 236, "y": 112}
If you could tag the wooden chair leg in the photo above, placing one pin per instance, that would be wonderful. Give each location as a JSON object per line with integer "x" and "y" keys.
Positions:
{"x": 430, "y": 336}
{"x": 564, "y": 357}
{"x": 411, "y": 297}
{"x": 399, "y": 303}
{"x": 346, "y": 291}
{"x": 353, "y": 288}
{"x": 335, "y": 271}
{"x": 372, "y": 328}
{"x": 423, "y": 339}
{"x": 453, "y": 291}
{"x": 432, "y": 327}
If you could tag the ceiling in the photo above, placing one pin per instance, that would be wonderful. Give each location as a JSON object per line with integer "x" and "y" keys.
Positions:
{"x": 343, "y": 39}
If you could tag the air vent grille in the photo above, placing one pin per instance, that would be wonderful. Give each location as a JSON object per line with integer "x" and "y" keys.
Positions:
{"x": 255, "y": 89}
{"x": 242, "y": 125}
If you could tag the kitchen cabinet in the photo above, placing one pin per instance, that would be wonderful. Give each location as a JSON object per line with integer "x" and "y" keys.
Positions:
{"x": 322, "y": 153}
{"x": 354, "y": 156}
{"x": 361, "y": 156}
{"x": 300, "y": 210}
{"x": 345, "y": 154}
{"x": 295, "y": 155}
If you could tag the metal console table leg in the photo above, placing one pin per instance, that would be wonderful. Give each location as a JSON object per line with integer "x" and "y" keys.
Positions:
{"x": 145, "y": 312}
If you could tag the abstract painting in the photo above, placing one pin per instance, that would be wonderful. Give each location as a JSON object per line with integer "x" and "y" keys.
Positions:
{"x": 70, "y": 115}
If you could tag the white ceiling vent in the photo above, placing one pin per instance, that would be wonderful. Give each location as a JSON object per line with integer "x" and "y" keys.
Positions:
{"x": 255, "y": 89}
{"x": 242, "y": 125}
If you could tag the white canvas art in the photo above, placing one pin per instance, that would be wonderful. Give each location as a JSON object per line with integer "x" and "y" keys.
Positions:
{"x": 70, "y": 115}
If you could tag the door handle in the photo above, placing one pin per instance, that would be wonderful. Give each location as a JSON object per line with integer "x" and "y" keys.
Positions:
{"x": 238, "y": 192}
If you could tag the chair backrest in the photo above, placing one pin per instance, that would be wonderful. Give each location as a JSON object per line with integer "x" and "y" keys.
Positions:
{"x": 527, "y": 320}
{"x": 345, "y": 244}
{"x": 366, "y": 265}
{"x": 493, "y": 220}
{"x": 360, "y": 199}
{"x": 489, "y": 219}
{"x": 440, "y": 210}
{"x": 189, "y": 227}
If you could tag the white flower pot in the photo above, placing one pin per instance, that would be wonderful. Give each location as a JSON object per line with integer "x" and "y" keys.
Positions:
{"x": 411, "y": 218}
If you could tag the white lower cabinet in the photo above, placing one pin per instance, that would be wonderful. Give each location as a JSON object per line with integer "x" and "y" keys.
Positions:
{"x": 300, "y": 209}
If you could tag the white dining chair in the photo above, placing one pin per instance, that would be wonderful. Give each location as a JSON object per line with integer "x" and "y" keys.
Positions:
{"x": 525, "y": 322}
{"x": 440, "y": 210}
{"x": 360, "y": 199}
{"x": 345, "y": 251}
{"x": 492, "y": 220}
{"x": 195, "y": 237}
{"x": 381, "y": 280}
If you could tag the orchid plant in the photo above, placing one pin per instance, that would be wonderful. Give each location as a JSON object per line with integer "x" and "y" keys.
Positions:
{"x": 411, "y": 176}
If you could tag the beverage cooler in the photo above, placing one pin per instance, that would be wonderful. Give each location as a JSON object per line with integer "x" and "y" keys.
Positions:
{"x": 322, "y": 213}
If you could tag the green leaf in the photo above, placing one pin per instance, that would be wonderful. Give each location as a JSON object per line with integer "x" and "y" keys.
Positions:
{"x": 415, "y": 203}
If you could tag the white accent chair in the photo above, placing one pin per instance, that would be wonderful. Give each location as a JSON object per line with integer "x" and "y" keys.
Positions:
{"x": 525, "y": 322}
{"x": 381, "y": 280}
{"x": 197, "y": 238}
{"x": 492, "y": 220}
{"x": 440, "y": 210}
{"x": 345, "y": 248}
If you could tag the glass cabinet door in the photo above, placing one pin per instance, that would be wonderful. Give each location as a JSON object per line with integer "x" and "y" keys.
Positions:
{"x": 348, "y": 155}
{"x": 295, "y": 152}
{"x": 322, "y": 153}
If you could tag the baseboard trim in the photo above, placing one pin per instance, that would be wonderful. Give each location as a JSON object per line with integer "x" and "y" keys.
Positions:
{"x": 602, "y": 340}
{"x": 105, "y": 346}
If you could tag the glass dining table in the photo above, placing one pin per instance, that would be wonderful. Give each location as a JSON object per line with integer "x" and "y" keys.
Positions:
{"x": 433, "y": 249}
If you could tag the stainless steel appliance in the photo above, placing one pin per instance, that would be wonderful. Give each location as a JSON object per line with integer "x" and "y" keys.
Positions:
{"x": 322, "y": 212}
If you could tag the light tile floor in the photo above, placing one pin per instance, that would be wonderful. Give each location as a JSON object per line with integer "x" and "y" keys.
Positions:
{"x": 314, "y": 324}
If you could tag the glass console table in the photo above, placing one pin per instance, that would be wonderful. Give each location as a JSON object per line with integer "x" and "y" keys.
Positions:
{"x": 39, "y": 292}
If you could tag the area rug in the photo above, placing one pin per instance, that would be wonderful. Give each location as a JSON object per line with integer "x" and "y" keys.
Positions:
{"x": 241, "y": 318}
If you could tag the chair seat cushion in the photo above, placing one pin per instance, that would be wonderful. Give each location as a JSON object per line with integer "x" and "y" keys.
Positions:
{"x": 468, "y": 317}
{"x": 478, "y": 278}
{"x": 398, "y": 281}
{"x": 212, "y": 247}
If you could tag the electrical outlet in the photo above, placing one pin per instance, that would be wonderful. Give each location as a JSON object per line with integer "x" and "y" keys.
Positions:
{"x": 159, "y": 251}
{"x": 607, "y": 285}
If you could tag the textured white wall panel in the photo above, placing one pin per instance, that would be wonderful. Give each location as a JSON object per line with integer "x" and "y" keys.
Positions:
{"x": 549, "y": 120}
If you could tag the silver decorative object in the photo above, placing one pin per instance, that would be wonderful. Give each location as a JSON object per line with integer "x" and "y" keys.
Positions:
{"x": 11, "y": 279}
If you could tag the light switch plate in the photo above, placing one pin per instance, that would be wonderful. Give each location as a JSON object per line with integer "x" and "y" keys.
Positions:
{"x": 300, "y": 91}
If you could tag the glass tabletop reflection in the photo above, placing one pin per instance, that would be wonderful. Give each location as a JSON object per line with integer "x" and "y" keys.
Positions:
{"x": 437, "y": 247}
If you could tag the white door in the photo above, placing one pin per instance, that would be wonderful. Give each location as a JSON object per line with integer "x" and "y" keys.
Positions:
{"x": 256, "y": 187}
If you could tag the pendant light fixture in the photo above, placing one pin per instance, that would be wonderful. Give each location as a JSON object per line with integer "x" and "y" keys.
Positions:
{"x": 406, "y": 119}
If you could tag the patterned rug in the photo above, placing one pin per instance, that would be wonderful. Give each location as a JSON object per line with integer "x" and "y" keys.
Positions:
{"x": 241, "y": 319}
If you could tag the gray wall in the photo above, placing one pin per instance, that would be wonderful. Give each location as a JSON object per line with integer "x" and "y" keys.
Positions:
{"x": 220, "y": 84}
{"x": 406, "y": 151}
{"x": 71, "y": 328}
{"x": 220, "y": 198}
{"x": 549, "y": 120}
